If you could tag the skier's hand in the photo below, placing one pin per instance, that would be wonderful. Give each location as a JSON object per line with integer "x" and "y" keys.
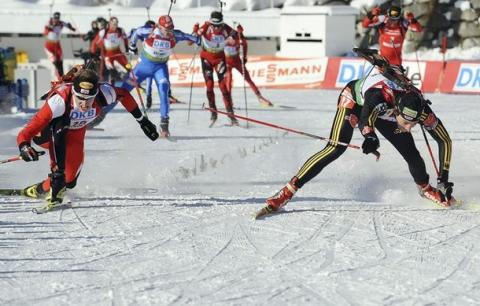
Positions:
{"x": 371, "y": 143}
{"x": 27, "y": 152}
{"x": 445, "y": 188}
{"x": 132, "y": 49}
{"x": 149, "y": 128}
{"x": 196, "y": 27}
{"x": 410, "y": 17}
{"x": 376, "y": 11}
{"x": 239, "y": 29}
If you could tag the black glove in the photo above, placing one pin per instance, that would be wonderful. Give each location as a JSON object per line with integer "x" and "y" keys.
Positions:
{"x": 446, "y": 188}
{"x": 371, "y": 143}
{"x": 149, "y": 128}
{"x": 27, "y": 152}
{"x": 57, "y": 185}
{"x": 132, "y": 49}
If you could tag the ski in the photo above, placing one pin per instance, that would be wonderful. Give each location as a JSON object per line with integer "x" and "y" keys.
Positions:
{"x": 266, "y": 210}
{"x": 168, "y": 138}
{"x": 12, "y": 192}
{"x": 44, "y": 209}
{"x": 173, "y": 100}
{"x": 212, "y": 123}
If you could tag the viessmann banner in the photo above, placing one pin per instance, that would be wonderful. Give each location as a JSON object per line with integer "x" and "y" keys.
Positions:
{"x": 265, "y": 72}
{"x": 333, "y": 72}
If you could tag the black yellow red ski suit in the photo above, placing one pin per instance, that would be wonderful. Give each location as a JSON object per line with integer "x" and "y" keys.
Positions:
{"x": 369, "y": 104}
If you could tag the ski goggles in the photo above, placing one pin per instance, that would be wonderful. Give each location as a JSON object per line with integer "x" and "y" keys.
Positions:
{"x": 84, "y": 97}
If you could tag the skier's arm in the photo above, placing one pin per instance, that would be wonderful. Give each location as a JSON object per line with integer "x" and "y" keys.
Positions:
{"x": 138, "y": 34}
{"x": 69, "y": 26}
{"x": 373, "y": 18}
{"x": 181, "y": 36}
{"x": 48, "y": 27}
{"x": 243, "y": 42}
{"x": 437, "y": 130}
{"x": 54, "y": 107}
{"x": 374, "y": 105}
{"x": 413, "y": 23}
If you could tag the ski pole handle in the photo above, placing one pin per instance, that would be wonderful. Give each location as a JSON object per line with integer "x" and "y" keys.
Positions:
{"x": 15, "y": 158}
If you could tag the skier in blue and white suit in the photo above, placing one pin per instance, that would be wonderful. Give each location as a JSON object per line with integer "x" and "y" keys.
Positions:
{"x": 148, "y": 27}
{"x": 157, "y": 48}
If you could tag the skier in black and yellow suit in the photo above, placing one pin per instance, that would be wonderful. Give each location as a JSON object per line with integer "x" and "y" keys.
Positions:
{"x": 377, "y": 103}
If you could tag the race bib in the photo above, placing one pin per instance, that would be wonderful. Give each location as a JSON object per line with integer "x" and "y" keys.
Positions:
{"x": 79, "y": 119}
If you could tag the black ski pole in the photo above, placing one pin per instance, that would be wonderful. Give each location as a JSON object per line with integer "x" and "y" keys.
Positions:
{"x": 172, "y": 2}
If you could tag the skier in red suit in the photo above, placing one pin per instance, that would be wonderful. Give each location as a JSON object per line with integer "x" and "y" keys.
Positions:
{"x": 109, "y": 41}
{"x": 60, "y": 127}
{"x": 52, "y": 45}
{"x": 392, "y": 28}
{"x": 233, "y": 50}
{"x": 214, "y": 35}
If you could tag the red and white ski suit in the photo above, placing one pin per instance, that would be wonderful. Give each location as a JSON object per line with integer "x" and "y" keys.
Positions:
{"x": 392, "y": 34}
{"x": 60, "y": 112}
{"x": 232, "y": 55}
{"x": 213, "y": 41}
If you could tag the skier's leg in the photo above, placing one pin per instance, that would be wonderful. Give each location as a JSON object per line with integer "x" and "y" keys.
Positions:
{"x": 207, "y": 70}
{"x": 221, "y": 69}
{"x": 342, "y": 131}
{"x": 405, "y": 145}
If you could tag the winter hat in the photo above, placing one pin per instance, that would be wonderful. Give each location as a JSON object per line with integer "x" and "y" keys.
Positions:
{"x": 166, "y": 22}
{"x": 216, "y": 18}
{"x": 410, "y": 105}
{"x": 85, "y": 84}
{"x": 394, "y": 12}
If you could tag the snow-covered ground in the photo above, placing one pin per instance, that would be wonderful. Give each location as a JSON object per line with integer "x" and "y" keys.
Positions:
{"x": 169, "y": 223}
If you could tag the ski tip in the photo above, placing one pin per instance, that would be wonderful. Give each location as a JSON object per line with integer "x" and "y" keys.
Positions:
{"x": 262, "y": 213}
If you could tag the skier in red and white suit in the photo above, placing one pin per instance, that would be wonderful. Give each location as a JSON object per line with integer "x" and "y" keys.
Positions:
{"x": 233, "y": 51}
{"x": 52, "y": 45}
{"x": 214, "y": 35}
{"x": 109, "y": 41}
{"x": 392, "y": 28}
{"x": 60, "y": 127}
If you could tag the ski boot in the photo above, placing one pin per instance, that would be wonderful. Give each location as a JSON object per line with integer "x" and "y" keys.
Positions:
{"x": 264, "y": 102}
{"x": 51, "y": 202}
{"x": 213, "y": 119}
{"x": 433, "y": 194}
{"x": 164, "y": 132}
{"x": 34, "y": 191}
{"x": 282, "y": 197}
{"x": 233, "y": 120}
{"x": 149, "y": 101}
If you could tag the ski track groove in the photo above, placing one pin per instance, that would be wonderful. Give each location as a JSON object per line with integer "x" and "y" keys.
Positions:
{"x": 380, "y": 236}
{"x": 315, "y": 233}
{"x": 460, "y": 266}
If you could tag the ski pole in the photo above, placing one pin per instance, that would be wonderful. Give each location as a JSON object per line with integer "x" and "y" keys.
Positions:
{"x": 222, "y": 4}
{"x": 15, "y": 158}
{"x": 242, "y": 53}
{"x": 137, "y": 88}
{"x": 285, "y": 128}
{"x": 191, "y": 84}
{"x": 430, "y": 151}
{"x": 148, "y": 12}
{"x": 172, "y": 2}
